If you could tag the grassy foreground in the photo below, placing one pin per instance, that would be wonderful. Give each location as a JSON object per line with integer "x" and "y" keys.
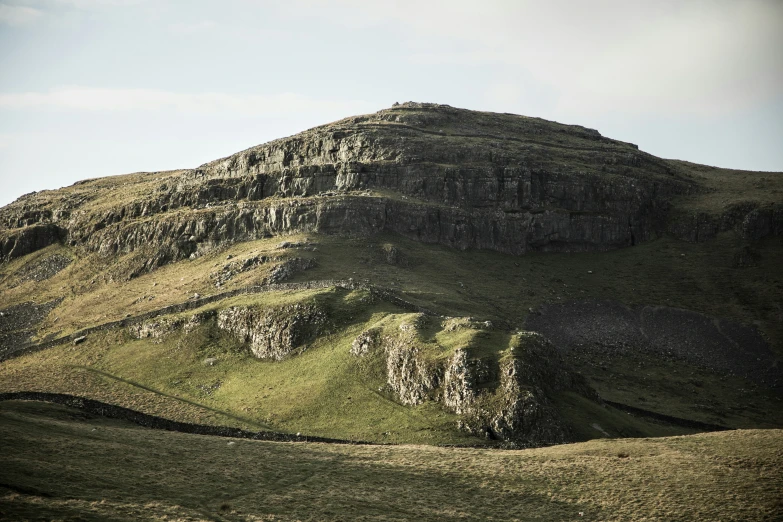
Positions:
{"x": 58, "y": 464}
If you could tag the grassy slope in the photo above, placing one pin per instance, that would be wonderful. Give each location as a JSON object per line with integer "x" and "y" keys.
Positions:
{"x": 58, "y": 464}
{"x": 323, "y": 391}
{"x": 726, "y": 186}
{"x": 319, "y": 382}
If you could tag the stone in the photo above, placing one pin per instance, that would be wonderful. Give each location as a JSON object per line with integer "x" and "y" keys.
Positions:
{"x": 483, "y": 187}
{"x": 365, "y": 342}
{"x": 274, "y": 333}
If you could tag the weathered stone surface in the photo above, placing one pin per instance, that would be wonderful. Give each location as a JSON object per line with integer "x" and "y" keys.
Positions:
{"x": 155, "y": 328}
{"x": 518, "y": 408}
{"x": 432, "y": 173}
{"x": 287, "y": 269}
{"x": 507, "y": 400}
{"x": 28, "y": 239}
{"x": 366, "y": 342}
{"x": 462, "y": 379}
{"x": 751, "y": 220}
{"x": 409, "y": 375}
{"x": 274, "y": 333}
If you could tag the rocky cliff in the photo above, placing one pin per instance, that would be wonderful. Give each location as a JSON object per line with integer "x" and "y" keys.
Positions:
{"x": 274, "y": 333}
{"x": 505, "y": 396}
{"x": 430, "y": 172}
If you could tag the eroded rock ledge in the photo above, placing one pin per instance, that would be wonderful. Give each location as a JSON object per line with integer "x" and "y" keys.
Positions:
{"x": 508, "y": 399}
{"x": 274, "y": 333}
{"x": 432, "y": 173}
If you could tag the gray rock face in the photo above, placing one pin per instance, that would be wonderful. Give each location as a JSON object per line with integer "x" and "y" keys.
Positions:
{"x": 505, "y": 400}
{"x": 27, "y": 239}
{"x": 162, "y": 327}
{"x": 409, "y": 375}
{"x": 751, "y": 220}
{"x": 516, "y": 407}
{"x": 274, "y": 333}
{"x": 287, "y": 269}
{"x": 462, "y": 379}
{"x": 433, "y": 173}
{"x": 430, "y": 172}
{"x": 365, "y": 342}
{"x": 155, "y": 329}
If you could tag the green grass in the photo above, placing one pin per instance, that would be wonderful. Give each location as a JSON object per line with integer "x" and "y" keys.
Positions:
{"x": 309, "y": 392}
{"x": 322, "y": 391}
{"x": 59, "y": 464}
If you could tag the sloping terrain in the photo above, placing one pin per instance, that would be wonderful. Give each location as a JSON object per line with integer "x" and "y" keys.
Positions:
{"x": 422, "y": 274}
{"x": 58, "y": 463}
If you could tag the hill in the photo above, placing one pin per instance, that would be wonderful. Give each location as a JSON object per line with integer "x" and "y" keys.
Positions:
{"x": 423, "y": 274}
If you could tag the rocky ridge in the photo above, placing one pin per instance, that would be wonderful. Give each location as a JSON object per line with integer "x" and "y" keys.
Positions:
{"x": 429, "y": 172}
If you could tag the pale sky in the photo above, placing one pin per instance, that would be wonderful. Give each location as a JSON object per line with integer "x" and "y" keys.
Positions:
{"x": 91, "y": 88}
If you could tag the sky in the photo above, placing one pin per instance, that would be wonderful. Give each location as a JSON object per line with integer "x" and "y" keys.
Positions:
{"x": 92, "y": 88}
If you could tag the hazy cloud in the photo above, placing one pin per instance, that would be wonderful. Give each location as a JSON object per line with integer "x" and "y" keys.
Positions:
{"x": 97, "y": 99}
{"x": 18, "y": 14}
{"x": 193, "y": 27}
{"x": 91, "y": 4}
{"x": 701, "y": 56}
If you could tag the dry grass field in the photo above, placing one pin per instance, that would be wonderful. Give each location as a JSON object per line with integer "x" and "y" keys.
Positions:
{"x": 59, "y": 464}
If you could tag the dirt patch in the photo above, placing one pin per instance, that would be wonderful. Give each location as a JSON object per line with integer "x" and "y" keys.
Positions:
{"x": 44, "y": 269}
{"x": 18, "y": 323}
{"x": 609, "y": 327}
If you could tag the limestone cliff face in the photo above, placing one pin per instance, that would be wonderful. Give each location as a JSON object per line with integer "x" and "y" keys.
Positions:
{"x": 409, "y": 375}
{"x": 273, "y": 333}
{"x": 462, "y": 381}
{"x": 431, "y": 172}
{"x": 514, "y": 403}
{"x": 509, "y": 399}
{"x": 26, "y": 239}
{"x": 750, "y": 219}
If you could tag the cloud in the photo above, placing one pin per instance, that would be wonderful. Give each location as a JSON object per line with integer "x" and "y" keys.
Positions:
{"x": 193, "y": 27}
{"x": 92, "y": 4}
{"x": 700, "y": 57}
{"x": 120, "y": 100}
{"x": 18, "y": 14}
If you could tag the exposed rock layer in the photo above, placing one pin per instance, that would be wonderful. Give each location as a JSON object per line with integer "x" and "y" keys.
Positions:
{"x": 273, "y": 333}
{"x": 508, "y": 399}
{"x": 432, "y": 173}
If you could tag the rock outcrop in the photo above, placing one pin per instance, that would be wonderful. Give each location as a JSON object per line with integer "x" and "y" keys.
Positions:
{"x": 274, "y": 333}
{"x": 751, "y": 220}
{"x": 409, "y": 374}
{"x": 366, "y": 342}
{"x": 430, "y": 172}
{"x": 155, "y": 329}
{"x": 27, "y": 239}
{"x": 513, "y": 403}
{"x": 507, "y": 399}
{"x": 158, "y": 328}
